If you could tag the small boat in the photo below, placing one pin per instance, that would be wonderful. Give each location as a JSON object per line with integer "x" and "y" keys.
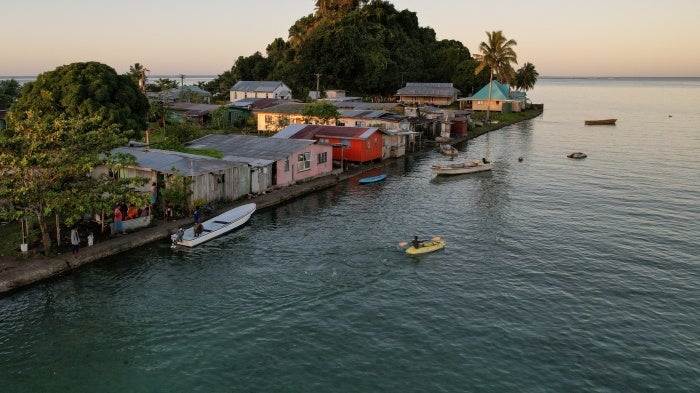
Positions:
{"x": 448, "y": 150}
{"x": 462, "y": 168}
{"x": 427, "y": 246}
{"x": 602, "y": 122}
{"x": 577, "y": 154}
{"x": 217, "y": 226}
{"x": 373, "y": 179}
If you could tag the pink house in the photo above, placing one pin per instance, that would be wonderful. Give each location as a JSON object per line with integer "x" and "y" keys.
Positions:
{"x": 273, "y": 162}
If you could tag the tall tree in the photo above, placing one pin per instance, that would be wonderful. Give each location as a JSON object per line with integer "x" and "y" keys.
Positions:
{"x": 84, "y": 90}
{"x": 526, "y": 77}
{"x": 9, "y": 92}
{"x": 496, "y": 54}
{"x": 139, "y": 73}
{"x": 46, "y": 169}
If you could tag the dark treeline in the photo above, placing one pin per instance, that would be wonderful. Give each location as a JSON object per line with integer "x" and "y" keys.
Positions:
{"x": 367, "y": 48}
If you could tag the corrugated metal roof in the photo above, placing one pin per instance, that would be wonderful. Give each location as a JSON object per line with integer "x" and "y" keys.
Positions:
{"x": 167, "y": 161}
{"x": 498, "y": 92}
{"x": 290, "y": 108}
{"x": 364, "y": 114}
{"x": 428, "y": 89}
{"x": 308, "y": 131}
{"x": 257, "y": 86}
{"x": 251, "y": 148}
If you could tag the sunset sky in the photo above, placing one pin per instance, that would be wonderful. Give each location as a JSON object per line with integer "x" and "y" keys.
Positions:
{"x": 561, "y": 38}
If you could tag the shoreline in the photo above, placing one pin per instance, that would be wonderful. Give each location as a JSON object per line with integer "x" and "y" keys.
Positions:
{"x": 17, "y": 273}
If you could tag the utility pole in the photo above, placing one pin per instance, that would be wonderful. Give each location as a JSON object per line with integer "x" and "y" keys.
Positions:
{"x": 318, "y": 77}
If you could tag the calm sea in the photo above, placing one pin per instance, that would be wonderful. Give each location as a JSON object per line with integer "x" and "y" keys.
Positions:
{"x": 559, "y": 275}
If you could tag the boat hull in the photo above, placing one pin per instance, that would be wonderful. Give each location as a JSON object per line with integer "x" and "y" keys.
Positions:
{"x": 600, "y": 122}
{"x": 214, "y": 227}
{"x": 460, "y": 169}
{"x": 429, "y": 246}
{"x": 373, "y": 179}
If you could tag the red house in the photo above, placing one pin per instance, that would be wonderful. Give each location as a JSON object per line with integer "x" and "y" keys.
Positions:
{"x": 356, "y": 144}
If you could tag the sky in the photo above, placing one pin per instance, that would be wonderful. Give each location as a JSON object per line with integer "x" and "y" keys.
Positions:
{"x": 595, "y": 38}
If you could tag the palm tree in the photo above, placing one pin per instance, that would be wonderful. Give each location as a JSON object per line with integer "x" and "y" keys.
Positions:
{"x": 138, "y": 72}
{"x": 497, "y": 54}
{"x": 526, "y": 77}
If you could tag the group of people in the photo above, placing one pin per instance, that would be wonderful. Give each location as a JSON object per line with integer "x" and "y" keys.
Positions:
{"x": 122, "y": 212}
{"x": 75, "y": 240}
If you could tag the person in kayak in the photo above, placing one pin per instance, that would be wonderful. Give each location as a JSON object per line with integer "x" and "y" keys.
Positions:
{"x": 416, "y": 243}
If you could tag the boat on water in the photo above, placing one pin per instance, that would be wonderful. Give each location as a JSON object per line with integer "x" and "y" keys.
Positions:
{"x": 462, "y": 168}
{"x": 448, "y": 150}
{"x": 577, "y": 154}
{"x": 601, "y": 122}
{"x": 373, "y": 179}
{"x": 214, "y": 227}
{"x": 427, "y": 246}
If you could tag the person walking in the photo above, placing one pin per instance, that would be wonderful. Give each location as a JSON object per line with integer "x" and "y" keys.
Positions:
{"x": 75, "y": 241}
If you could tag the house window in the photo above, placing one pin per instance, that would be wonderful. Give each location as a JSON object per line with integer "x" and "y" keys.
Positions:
{"x": 286, "y": 165}
{"x": 369, "y": 144}
{"x": 303, "y": 162}
{"x": 480, "y": 102}
{"x": 322, "y": 157}
{"x": 268, "y": 119}
{"x": 323, "y": 140}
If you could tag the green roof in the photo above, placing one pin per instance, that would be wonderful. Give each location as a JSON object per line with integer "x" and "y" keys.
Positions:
{"x": 499, "y": 92}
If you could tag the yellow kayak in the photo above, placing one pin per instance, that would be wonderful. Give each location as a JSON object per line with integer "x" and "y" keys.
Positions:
{"x": 428, "y": 246}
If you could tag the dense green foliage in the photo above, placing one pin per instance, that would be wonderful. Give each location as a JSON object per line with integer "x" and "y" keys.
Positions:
{"x": 46, "y": 168}
{"x": 363, "y": 47}
{"x": 9, "y": 92}
{"x": 324, "y": 111}
{"x": 526, "y": 77}
{"x": 84, "y": 90}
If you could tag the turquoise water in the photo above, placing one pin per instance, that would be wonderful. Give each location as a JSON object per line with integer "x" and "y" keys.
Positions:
{"x": 559, "y": 275}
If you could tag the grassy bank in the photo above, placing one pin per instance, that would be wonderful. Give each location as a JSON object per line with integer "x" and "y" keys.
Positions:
{"x": 500, "y": 120}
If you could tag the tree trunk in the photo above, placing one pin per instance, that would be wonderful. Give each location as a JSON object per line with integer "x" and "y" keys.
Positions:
{"x": 58, "y": 232}
{"x": 488, "y": 106}
{"x": 45, "y": 238}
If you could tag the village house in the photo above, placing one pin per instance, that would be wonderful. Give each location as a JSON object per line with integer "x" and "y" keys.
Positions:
{"x": 440, "y": 94}
{"x": 192, "y": 94}
{"x": 277, "y": 117}
{"x": 274, "y": 162}
{"x": 184, "y": 112}
{"x": 242, "y": 110}
{"x": 372, "y": 118}
{"x": 502, "y": 99}
{"x": 260, "y": 89}
{"x": 212, "y": 179}
{"x": 350, "y": 144}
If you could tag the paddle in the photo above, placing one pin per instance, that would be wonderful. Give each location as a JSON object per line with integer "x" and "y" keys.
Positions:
{"x": 435, "y": 239}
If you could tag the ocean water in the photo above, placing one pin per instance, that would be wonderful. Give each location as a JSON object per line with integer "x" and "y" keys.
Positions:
{"x": 559, "y": 275}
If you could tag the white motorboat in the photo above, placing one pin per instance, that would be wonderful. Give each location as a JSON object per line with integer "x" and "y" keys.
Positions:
{"x": 462, "y": 168}
{"x": 217, "y": 226}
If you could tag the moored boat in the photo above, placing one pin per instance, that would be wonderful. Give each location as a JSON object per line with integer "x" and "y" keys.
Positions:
{"x": 373, "y": 179}
{"x": 577, "y": 154}
{"x": 217, "y": 226}
{"x": 462, "y": 168}
{"x": 448, "y": 150}
{"x": 601, "y": 122}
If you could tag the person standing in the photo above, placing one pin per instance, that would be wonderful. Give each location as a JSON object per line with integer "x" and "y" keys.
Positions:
{"x": 91, "y": 239}
{"x": 75, "y": 241}
{"x": 118, "y": 225}
{"x": 154, "y": 193}
{"x": 196, "y": 215}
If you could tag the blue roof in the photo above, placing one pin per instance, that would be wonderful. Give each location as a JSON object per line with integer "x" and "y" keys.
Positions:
{"x": 499, "y": 92}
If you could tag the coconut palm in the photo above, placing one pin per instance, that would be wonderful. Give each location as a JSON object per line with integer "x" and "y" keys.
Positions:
{"x": 526, "y": 77}
{"x": 497, "y": 54}
{"x": 138, "y": 72}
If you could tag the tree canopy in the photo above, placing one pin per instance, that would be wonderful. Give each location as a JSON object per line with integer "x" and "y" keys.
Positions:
{"x": 84, "y": 90}
{"x": 363, "y": 47}
{"x": 9, "y": 92}
{"x": 46, "y": 170}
